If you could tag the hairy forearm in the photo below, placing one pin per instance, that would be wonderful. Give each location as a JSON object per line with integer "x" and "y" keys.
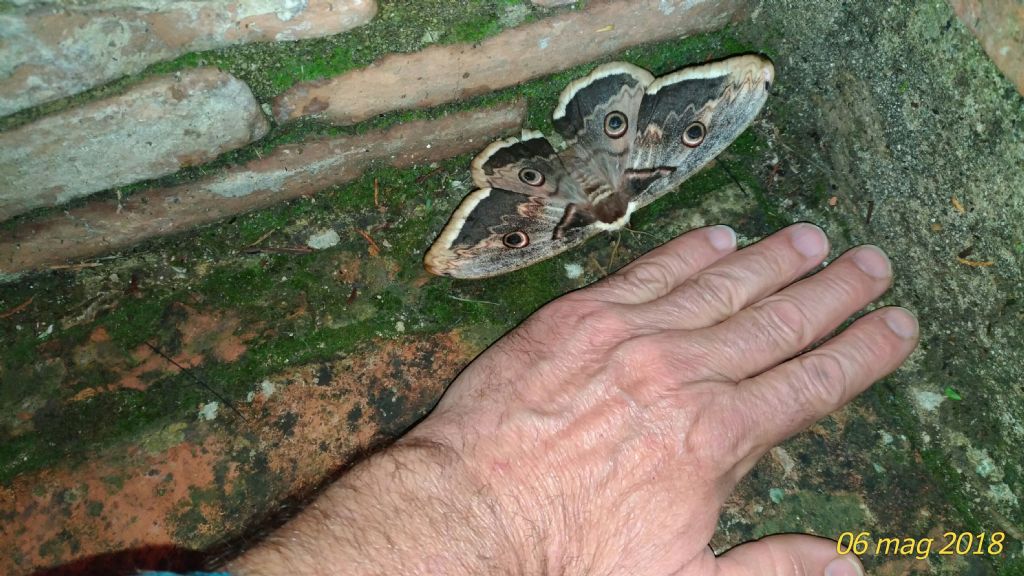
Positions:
{"x": 408, "y": 510}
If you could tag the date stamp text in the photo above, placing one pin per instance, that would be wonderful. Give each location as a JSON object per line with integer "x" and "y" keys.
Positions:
{"x": 950, "y": 544}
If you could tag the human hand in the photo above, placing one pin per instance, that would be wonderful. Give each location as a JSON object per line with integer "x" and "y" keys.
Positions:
{"x": 603, "y": 435}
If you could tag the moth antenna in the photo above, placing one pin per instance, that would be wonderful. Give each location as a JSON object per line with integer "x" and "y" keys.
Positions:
{"x": 461, "y": 299}
{"x": 197, "y": 380}
{"x": 615, "y": 250}
{"x": 648, "y": 234}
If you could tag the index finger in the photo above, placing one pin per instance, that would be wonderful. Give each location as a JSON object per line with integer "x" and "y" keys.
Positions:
{"x": 659, "y": 271}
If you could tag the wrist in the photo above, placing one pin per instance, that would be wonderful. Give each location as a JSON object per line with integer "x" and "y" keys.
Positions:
{"x": 409, "y": 509}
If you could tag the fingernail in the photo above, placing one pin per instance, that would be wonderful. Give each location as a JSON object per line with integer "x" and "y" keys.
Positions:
{"x": 808, "y": 240}
{"x": 722, "y": 237}
{"x": 902, "y": 322}
{"x": 844, "y": 566}
{"x": 872, "y": 261}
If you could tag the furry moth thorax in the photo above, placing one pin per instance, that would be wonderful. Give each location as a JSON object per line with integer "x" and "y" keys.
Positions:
{"x": 630, "y": 138}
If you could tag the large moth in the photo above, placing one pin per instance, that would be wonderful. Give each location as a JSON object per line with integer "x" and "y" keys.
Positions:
{"x": 630, "y": 138}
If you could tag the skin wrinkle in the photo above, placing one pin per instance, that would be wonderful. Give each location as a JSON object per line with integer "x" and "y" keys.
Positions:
{"x": 702, "y": 438}
{"x": 767, "y": 332}
{"x": 781, "y": 322}
{"x": 743, "y": 445}
{"x": 711, "y": 295}
{"x": 583, "y": 336}
{"x": 658, "y": 273}
{"x": 688, "y": 356}
{"x": 536, "y": 534}
{"x": 572, "y": 433}
{"x": 612, "y": 288}
{"x": 825, "y": 383}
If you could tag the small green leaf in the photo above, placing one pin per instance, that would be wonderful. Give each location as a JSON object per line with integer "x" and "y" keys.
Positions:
{"x": 952, "y": 394}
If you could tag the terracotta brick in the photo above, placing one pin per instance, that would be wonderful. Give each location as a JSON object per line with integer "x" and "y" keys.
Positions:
{"x": 446, "y": 73}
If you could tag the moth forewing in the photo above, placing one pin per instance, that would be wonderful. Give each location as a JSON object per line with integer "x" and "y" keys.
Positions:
{"x": 689, "y": 117}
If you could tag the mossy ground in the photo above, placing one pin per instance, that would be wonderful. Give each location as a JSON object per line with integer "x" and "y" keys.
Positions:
{"x": 831, "y": 147}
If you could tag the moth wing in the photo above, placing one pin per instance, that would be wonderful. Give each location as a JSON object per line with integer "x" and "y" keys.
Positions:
{"x": 586, "y": 117}
{"x": 722, "y": 97}
{"x": 527, "y": 165}
{"x": 482, "y": 239}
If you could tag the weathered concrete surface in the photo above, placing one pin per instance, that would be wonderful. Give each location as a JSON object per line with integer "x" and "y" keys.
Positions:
{"x": 290, "y": 171}
{"x": 442, "y": 74}
{"x": 55, "y": 49}
{"x": 999, "y": 26}
{"x": 889, "y": 125}
{"x": 156, "y": 128}
{"x": 134, "y": 506}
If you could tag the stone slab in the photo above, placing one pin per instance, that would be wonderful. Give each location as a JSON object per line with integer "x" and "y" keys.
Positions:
{"x": 156, "y": 128}
{"x": 442, "y": 74}
{"x": 289, "y": 172}
{"x": 52, "y": 50}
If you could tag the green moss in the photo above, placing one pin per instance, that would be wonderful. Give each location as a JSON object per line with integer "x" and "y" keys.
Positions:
{"x": 114, "y": 483}
{"x": 1011, "y": 567}
{"x": 474, "y": 29}
{"x": 942, "y": 473}
{"x": 20, "y": 348}
{"x": 164, "y": 438}
{"x": 53, "y": 549}
{"x": 827, "y": 515}
{"x": 133, "y": 321}
{"x": 94, "y": 508}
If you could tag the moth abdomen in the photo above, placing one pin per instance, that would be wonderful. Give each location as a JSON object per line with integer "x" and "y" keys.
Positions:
{"x": 611, "y": 208}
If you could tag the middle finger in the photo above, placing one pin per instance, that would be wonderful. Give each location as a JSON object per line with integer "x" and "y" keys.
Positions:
{"x": 782, "y": 325}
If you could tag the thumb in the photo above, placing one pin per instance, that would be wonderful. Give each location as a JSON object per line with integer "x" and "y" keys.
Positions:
{"x": 788, "y": 555}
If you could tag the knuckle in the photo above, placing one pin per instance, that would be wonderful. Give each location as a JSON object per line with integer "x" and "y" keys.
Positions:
{"x": 660, "y": 363}
{"x": 781, "y": 320}
{"x": 585, "y": 320}
{"x": 649, "y": 273}
{"x": 715, "y": 435}
{"x": 714, "y": 292}
{"x": 841, "y": 287}
{"x": 641, "y": 359}
{"x": 563, "y": 309}
{"x": 822, "y": 382}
